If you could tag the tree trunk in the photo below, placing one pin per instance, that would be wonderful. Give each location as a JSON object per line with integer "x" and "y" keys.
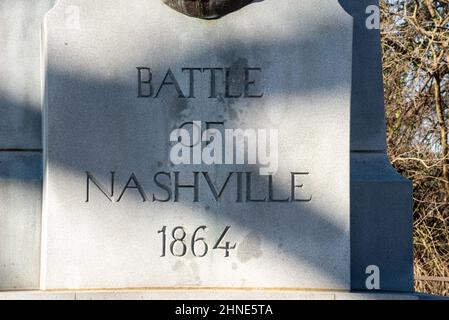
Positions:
{"x": 443, "y": 133}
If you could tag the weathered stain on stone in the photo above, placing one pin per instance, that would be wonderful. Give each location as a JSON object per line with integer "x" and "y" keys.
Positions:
{"x": 250, "y": 248}
{"x": 178, "y": 265}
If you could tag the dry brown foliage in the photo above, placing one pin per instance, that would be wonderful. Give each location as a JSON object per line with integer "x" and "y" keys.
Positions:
{"x": 415, "y": 43}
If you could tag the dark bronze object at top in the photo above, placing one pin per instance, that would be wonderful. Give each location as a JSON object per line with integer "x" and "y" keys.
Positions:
{"x": 206, "y": 9}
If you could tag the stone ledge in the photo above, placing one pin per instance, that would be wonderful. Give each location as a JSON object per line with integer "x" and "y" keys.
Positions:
{"x": 206, "y": 295}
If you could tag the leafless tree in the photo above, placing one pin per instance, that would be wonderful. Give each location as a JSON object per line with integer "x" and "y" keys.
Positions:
{"x": 415, "y": 40}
